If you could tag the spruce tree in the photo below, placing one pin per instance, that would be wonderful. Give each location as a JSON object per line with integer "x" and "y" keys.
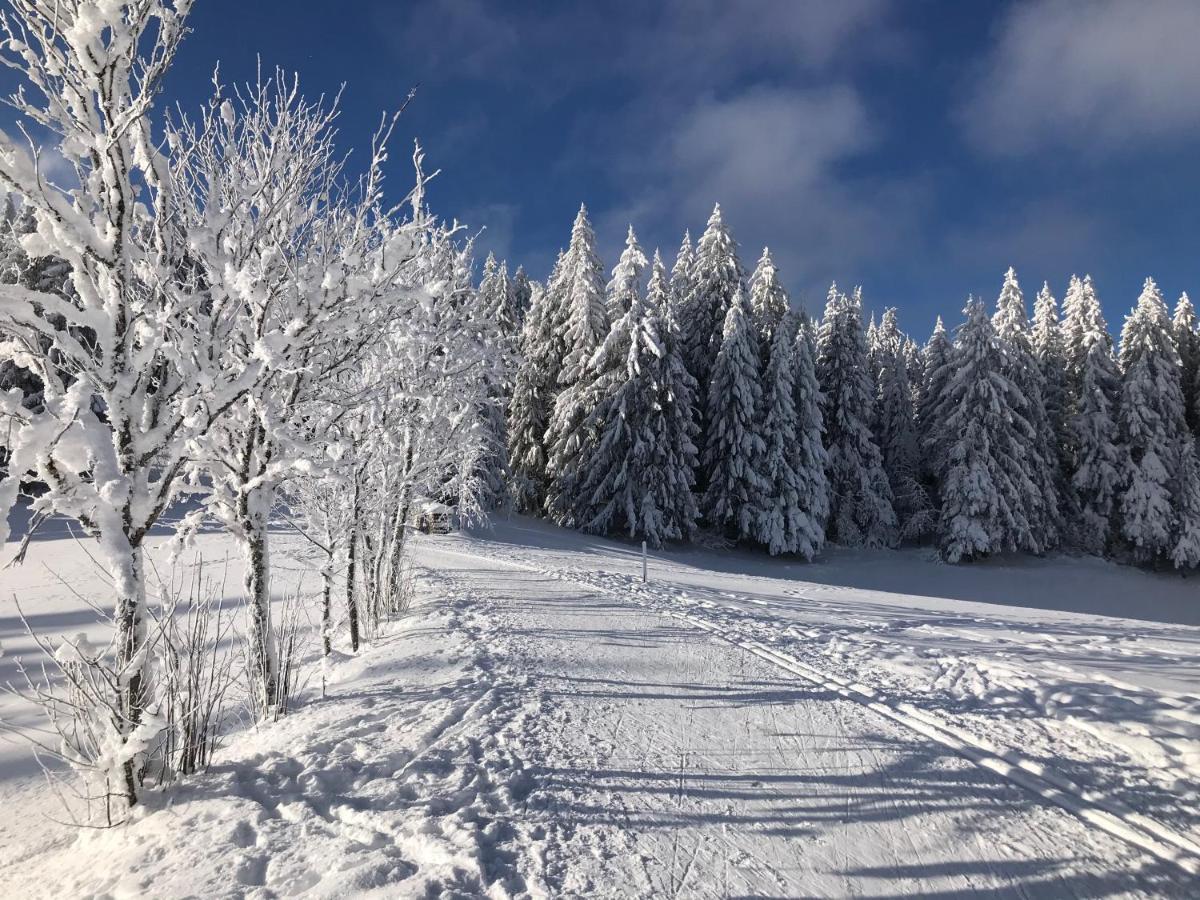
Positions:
{"x": 683, "y": 279}
{"x": 873, "y": 361}
{"x": 1098, "y": 458}
{"x": 810, "y": 461}
{"x": 490, "y": 471}
{"x": 717, "y": 279}
{"x": 523, "y": 293}
{"x": 1187, "y": 341}
{"x": 570, "y": 437}
{"x": 556, "y": 314}
{"x": 530, "y": 406}
{"x": 1071, "y": 332}
{"x": 860, "y": 507}
{"x": 936, "y": 357}
{"x": 914, "y": 362}
{"x": 1046, "y": 336}
{"x": 1047, "y": 341}
{"x": 768, "y": 299}
{"x": 983, "y": 423}
{"x": 680, "y": 399}
{"x": 1042, "y": 504}
{"x": 894, "y": 428}
{"x": 1155, "y": 433}
{"x": 499, "y": 298}
{"x": 640, "y": 477}
{"x": 1185, "y": 552}
{"x": 626, "y": 277}
{"x": 734, "y": 447}
{"x": 783, "y": 521}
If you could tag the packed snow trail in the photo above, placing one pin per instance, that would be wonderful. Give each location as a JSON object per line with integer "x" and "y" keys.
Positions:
{"x": 1099, "y": 710}
{"x": 1108, "y": 814}
{"x": 675, "y": 764}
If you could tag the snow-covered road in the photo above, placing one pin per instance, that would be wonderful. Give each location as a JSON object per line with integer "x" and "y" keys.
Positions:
{"x": 544, "y": 725}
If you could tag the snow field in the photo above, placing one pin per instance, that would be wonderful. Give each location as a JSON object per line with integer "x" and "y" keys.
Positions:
{"x": 543, "y": 725}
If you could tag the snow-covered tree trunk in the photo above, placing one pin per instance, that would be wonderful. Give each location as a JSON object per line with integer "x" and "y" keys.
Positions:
{"x": 142, "y": 338}
{"x": 253, "y": 519}
{"x": 352, "y": 545}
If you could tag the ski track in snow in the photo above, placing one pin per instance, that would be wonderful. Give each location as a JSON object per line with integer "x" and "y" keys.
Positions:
{"x": 1109, "y": 813}
{"x": 538, "y": 728}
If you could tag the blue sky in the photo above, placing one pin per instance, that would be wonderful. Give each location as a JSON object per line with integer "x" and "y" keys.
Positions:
{"x": 918, "y": 148}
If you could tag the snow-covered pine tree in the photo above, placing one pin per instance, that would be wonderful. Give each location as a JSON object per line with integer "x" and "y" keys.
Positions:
{"x": 1042, "y": 505}
{"x": 782, "y": 508}
{"x": 769, "y": 301}
{"x": 734, "y": 447}
{"x": 1185, "y": 553}
{"x": 489, "y": 294}
{"x": 680, "y": 397}
{"x": 810, "y": 461}
{"x": 683, "y": 278}
{"x": 1071, "y": 333}
{"x": 570, "y": 437}
{"x": 556, "y": 314}
{"x": 1098, "y": 459}
{"x": 1155, "y": 434}
{"x": 860, "y": 507}
{"x": 639, "y": 479}
{"x": 718, "y": 276}
{"x": 498, "y": 298}
{"x": 873, "y": 363}
{"x": 627, "y": 278}
{"x": 523, "y": 293}
{"x": 543, "y": 347}
{"x": 1046, "y": 337}
{"x": 494, "y": 318}
{"x": 1187, "y": 341}
{"x": 914, "y": 362}
{"x": 529, "y": 407}
{"x": 935, "y": 357}
{"x": 894, "y": 428}
{"x": 982, "y": 421}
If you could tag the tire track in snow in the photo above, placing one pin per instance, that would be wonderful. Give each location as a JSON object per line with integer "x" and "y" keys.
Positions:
{"x": 1106, "y": 814}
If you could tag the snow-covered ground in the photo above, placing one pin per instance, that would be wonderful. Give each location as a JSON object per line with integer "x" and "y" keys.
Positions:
{"x": 874, "y": 724}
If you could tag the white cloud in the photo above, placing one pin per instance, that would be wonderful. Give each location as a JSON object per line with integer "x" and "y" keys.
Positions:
{"x": 1092, "y": 75}
{"x": 702, "y": 41}
{"x": 774, "y": 159}
{"x": 766, "y": 143}
{"x": 750, "y": 104}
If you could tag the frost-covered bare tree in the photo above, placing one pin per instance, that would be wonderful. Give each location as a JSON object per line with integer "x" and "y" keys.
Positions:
{"x": 129, "y": 354}
{"x": 405, "y": 423}
{"x": 277, "y": 234}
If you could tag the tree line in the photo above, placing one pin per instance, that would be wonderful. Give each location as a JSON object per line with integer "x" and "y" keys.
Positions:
{"x": 661, "y": 402}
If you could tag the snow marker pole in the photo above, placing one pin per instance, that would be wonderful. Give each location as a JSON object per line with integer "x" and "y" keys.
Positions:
{"x": 643, "y": 562}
